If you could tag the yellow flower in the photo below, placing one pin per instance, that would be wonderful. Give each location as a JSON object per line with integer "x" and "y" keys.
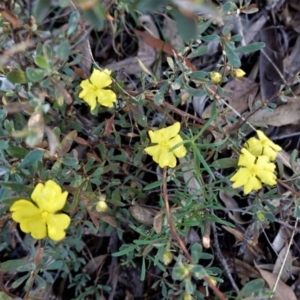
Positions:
{"x": 101, "y": 206}
{"x": 215, "y": 77}
{"x": 238, "y": 73}
{"x": 262, "y": 146}
{"x": 254, "y": 172}
{"x": 166, "y": 139}
{"x": 93, "y": 89}
{"x": 39, "y": 218}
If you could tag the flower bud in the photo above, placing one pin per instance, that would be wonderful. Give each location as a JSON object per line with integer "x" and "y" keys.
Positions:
{"x": 260, "y": 215}
{"x": 215, "y": 77}
{"x": 187, "y": 297}
{"x": 101, "y": 206}
{"x": 167, "y": 257}
{"x": 238, "y": 73}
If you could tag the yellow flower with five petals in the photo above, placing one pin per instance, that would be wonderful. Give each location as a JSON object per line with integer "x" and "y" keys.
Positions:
{"x": 93, "y": 89}
{"x": 166, "y": 139}
{"x": 262, "y": 146}
{"x": 253, "y": 172}
{"x": 39, "y": 217}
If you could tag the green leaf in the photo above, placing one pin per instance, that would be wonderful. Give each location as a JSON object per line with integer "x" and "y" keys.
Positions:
{"x": 232, "y": 57}
{"x": 12, "y": 265}
{"x": 41, "y": 62}
{"x": 48, "y": 52}
{"x": 150, "y": 5}
{"x": 199, "y": 272}
{"x": 95, "y": 16}
{"x": 19, "y": 281}
{"x": 3, "y": 296}
{"x": 202, "y": 27}
{"x": 63, "y": 51}
{"x": 199, "y": 52}
{"x": 31, "y": 158}
{"x": 251, "y": 287}
{"x": 15, "y": 186}
{"x": 187, "y": 27}
{"x": 17, "y": 152}
{"x": 196, "y": 251}
{"x": 41, "y": 9}
{"x": 27, "y": 268}
{"x": 56, "y": 265}
{"x": 153, "y": 185}
{"x": 159, "y": 96}
{"x": 17, "y": 76}
{"x": 41, "y": 282}
{"x": 224, "y": 163}
{"x": 251, "y": 47}
{"x": 35, "y": 75}
{"x": 126, "y": 249}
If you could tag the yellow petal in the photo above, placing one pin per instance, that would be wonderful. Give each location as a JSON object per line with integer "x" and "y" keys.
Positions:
{"x": 253, "y": 184}
{"x": 106, "y": 97}
{"x": 49, "y": 197}
{"x": 153, "y": 150}
{"x": 264, "y": 164}
{"x": 269, "y": 152}
{"x": 164, "y": 134}
{"x": 267, "y": 141}
{"x": 179, "y": 151}
{"x": 101, "y": 79}
{"x": 87, "y": 88}
{"x": 23, "y": 210}
{"x": 267, "y": 177}
{"x": 240, "y": 178}
{"x": 90, "y": 99}
{"x": 35, "y": 226}
{"x": 56, "y": 225}
{"x": 254, "y": 146}
{"x": 167, "y": 159}
{"x": 246, "y": 158}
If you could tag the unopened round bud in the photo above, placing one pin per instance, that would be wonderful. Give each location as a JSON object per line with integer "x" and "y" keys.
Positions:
{"x": 167, "y": 257}
{"x": 187, "y": 297}
{"x": 238, "y": 73}
{"x": 215, "y": 77}
{"x": 101, "y": 206}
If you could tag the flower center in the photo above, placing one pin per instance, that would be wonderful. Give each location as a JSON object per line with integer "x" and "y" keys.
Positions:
{"x": 253, "y": 170}
{"x": 164, "y": 144}
{"x": 45, "y": 216}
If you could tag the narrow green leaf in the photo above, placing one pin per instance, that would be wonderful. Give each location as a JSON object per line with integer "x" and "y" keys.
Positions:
{"x": 19, "y": 281}
{"x": 251, "y": 47}
{"x": 127, "y": 249}
{"x": 11, "y": 265}
{"x": 153, "y": 185}
{"x": 15, "y": 186}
